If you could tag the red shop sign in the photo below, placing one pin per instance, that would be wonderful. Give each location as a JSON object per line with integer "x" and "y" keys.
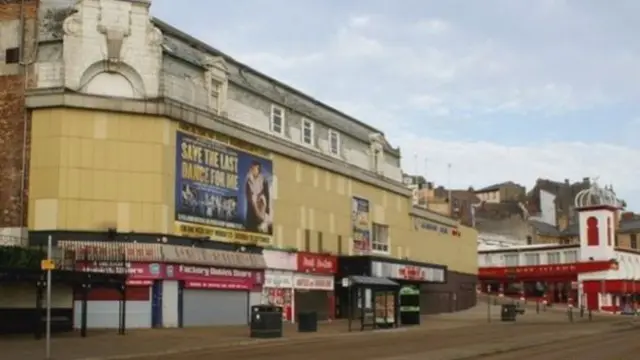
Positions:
{"x": 317, "y": 263}
{"x": 211, "y": 277}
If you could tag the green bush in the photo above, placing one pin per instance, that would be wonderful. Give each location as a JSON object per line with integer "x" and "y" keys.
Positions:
{"x": 18, "y": 257}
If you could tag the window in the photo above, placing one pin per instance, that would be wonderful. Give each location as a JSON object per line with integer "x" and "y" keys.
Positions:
{"x": 334, "y": 143}
{"x": 553, "y": 258}
{"x": 380, "y": 238}
{"x": 307, "y": 132}
{"x": 511, "y": 260}
{"x": 12, "y": 55}
{"x": 616, "y": 241}
{"x": 277, "y": 120}
{"x": 488, "y": 260}
{"x": 532, "y": 259}
{"x": 633, "y": 242}
{"x": 570, "y": 256}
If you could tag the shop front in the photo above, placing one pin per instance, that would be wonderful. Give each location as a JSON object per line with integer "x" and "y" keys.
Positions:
{"x": 210, "y": 296}
{"x": 103, "y": 305}
{"x": 313, "y": 284}
{"x": 278, "y": 280}
{"x": 169, "y": 286}
{"x": 410, "y": 275}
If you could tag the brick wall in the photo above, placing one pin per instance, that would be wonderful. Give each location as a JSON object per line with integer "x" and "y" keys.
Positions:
{"x": 12, "y": 125}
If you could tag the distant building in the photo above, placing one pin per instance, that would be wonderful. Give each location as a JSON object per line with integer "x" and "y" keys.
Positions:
{"x": 502, "y": 192}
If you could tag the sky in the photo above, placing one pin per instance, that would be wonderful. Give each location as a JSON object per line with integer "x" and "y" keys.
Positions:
{"x": 500, "y": 89}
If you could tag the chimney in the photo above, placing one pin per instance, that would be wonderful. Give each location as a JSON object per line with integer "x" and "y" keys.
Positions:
{"x": 429, "y": 185}
{"x": 566, "y": 181}
{"x": 586, "y": 181}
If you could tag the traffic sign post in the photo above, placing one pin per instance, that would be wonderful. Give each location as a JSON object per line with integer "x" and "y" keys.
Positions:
{"x": 48, "y": 265}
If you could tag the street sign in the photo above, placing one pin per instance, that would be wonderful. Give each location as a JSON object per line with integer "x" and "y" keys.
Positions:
{"x": 47, "y": 264}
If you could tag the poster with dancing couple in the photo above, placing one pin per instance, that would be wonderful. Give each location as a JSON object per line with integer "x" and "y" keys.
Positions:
{"x": 222, "y": 192}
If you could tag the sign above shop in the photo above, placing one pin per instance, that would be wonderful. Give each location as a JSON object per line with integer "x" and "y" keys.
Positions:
{"x": 407, "y": 272}
{"x": 313, "y": 282}
{"x": 139, "y": 273}
{"x": 278, "y": 279}
{"x": 317, "y": 263}
{"x": 422, "y": 224}
{"x": 280, "y": 260}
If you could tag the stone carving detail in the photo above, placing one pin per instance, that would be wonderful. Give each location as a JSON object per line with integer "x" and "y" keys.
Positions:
{"x": 72, "y": 24}
{"x": 154, "y": 36}
{"x": 115, "y": 28}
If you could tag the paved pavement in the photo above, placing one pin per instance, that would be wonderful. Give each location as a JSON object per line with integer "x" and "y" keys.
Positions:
{"x": 446, "y": 332}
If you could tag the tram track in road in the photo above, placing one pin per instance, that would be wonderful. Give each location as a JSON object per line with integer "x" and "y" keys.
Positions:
{"x": 381, "y": 345}
{"x": 619, "y": 343}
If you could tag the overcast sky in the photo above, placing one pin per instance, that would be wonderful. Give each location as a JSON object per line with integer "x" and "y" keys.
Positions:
{"x": 501, "y": 89}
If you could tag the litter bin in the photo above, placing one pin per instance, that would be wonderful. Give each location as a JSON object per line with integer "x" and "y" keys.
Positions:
{"x": 508, "y": 312}
{"x": 266, "y": 322}
{"x": 308, "y": 321}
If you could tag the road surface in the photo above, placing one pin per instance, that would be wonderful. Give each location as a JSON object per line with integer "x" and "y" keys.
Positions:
{"x": 492, "y": 340}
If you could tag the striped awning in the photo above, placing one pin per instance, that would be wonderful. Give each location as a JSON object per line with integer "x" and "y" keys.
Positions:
{"x": 112, "y": 251}
{"x": 192, "y": 255}
{"x": 146, "y": 252}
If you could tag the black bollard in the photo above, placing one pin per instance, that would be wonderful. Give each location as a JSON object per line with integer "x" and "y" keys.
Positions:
{"x": 590, "y": 314}
{"x": 570, "y": 314}
{"x": 582, "y": 311}
{"x": 537, "y": 307}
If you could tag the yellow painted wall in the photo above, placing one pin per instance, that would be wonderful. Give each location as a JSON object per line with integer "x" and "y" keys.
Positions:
{"x": 92, "y": 170}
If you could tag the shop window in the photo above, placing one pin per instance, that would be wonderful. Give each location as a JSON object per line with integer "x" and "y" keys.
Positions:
{"x": 511, "y": 260}
{"x": 633, "y": 242}
{"x": 553, "y": 258}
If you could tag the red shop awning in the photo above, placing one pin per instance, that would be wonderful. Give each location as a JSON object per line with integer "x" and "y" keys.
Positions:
{"x": 535, "y": 272}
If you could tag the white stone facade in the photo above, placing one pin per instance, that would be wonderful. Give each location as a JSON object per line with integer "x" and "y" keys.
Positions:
{"x": 111, "y": 48}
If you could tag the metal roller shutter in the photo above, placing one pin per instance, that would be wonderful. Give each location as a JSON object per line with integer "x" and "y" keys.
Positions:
{"x": 210, "y": 307}
{"x": 103, "y": 309}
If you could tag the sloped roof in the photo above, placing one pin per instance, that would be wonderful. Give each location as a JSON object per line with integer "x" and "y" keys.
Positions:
{"x": 630, "y": 226}
{"x": 495, "y": 187}
{"x": 544, "y": 229}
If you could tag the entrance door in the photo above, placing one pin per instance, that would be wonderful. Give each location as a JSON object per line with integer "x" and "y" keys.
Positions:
{"x": 212, "y": 307}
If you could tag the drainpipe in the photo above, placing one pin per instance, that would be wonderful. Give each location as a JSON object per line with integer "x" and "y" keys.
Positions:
{"x": 25, "y": 116}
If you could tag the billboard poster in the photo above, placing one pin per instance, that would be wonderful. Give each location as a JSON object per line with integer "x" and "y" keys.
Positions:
{"x": 222, "y": 192}
{"x": 360, "y": 220}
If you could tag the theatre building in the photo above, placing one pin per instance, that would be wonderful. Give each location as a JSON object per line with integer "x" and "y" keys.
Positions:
{"x": 595, "y": 273}
{"x": 137, "y": 126}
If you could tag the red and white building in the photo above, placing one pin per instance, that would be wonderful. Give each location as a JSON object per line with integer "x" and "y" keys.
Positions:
{"x": 593, "y": 273}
